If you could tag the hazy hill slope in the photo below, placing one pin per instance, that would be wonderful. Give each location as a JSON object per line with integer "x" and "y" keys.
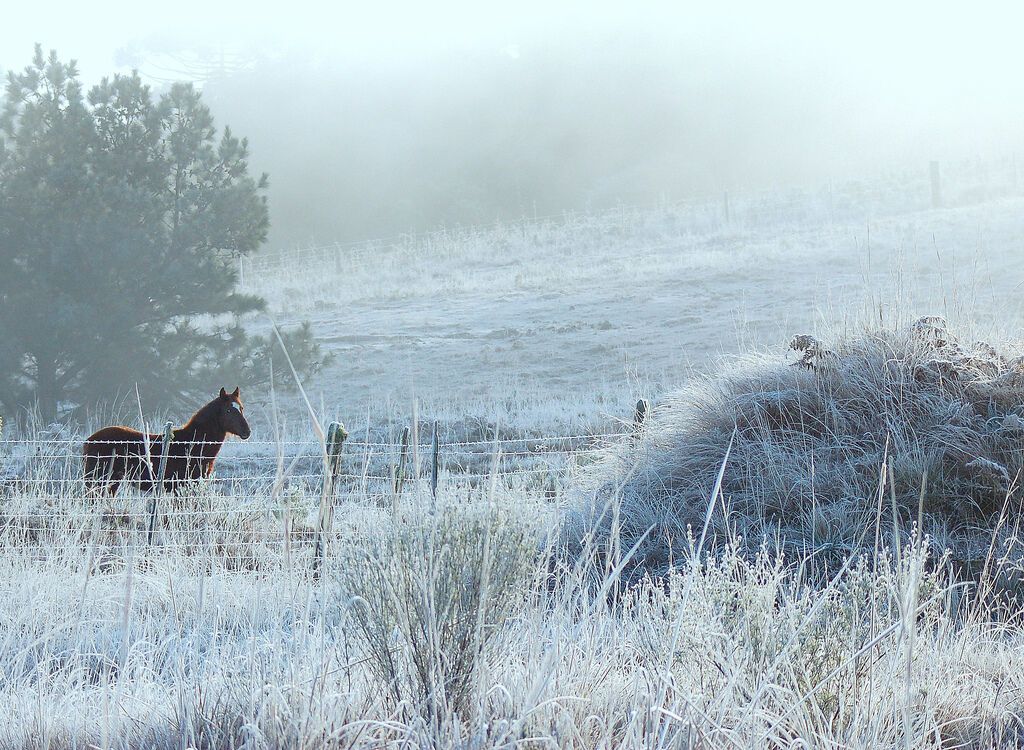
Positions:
{"x": 591, "y": 312}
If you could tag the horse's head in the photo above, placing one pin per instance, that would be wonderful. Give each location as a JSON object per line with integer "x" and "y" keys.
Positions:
{"x": 231, "y": 415}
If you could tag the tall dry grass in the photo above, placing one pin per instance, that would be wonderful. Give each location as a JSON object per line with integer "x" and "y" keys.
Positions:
{"x": 428, "y": 597}
{"x": 399, "y": 645}
{"x": 444, "y": 624}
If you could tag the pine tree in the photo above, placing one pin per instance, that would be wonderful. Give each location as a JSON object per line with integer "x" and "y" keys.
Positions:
{"x": 121, "y": 220}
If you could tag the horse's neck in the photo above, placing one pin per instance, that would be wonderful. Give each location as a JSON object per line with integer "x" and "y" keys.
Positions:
{"x": 207, "y": 438}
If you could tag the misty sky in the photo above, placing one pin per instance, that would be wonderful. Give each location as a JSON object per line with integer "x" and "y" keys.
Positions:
{"x": 426, "y": 113}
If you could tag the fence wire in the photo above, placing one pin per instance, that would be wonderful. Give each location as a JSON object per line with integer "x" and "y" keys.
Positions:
{"x": 56, "y": 463}
{"x": 259, "y": 488}
{"x": 77, "y": 442}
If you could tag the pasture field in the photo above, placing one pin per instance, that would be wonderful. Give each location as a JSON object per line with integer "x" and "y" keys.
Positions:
{"x": 463, "y": 618}
{"x": 558, "y": 323}
{"x": 440, "y": 623}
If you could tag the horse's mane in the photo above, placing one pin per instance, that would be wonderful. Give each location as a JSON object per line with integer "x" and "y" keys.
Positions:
{"x": 203, "y": 417}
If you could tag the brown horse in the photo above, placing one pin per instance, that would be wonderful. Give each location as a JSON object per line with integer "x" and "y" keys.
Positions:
{"x": 113, "y": 454}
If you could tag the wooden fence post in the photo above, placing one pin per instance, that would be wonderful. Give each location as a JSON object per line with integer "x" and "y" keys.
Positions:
{"x": 435, "y": 464}
{"x": 400, "y": 473}
{"x": 643, "y": 407}
{"x": 336, "y": 437}
{"x": 158, "y": 489}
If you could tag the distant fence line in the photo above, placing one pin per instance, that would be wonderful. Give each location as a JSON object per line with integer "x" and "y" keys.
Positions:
{"x": 304, "y": 264}
{"x": 346, "y": 254}
{"x": 926, "y": 187}
{"x": 357, "y": 250}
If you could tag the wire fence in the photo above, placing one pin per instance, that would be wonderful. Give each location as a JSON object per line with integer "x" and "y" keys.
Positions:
{"x": 264, "y": 506}
{"x": 54, "y": 466}
{"x": 370, "y": 254}
{"x": 251, "y": 468}
{"x": 77, "y": 442}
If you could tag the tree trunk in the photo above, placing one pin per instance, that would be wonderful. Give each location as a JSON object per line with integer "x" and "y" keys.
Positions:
{"x": 47, "y": 391}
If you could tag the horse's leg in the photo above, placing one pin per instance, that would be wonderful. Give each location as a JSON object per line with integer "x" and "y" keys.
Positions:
{"x": 91, "y": 474}
{"x": 114, "y": 476}
{"x": 123, "y": 469}
{"x": 98, "y": 476}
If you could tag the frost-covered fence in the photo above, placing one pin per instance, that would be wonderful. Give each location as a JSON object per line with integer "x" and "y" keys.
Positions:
{"x": 53, "y": 466}
{"x": 276, "y": 502}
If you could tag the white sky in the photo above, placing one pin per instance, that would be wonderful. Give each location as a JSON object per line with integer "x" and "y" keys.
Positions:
{"x": 949, "y": 74}
{"x": 916, "y": 42}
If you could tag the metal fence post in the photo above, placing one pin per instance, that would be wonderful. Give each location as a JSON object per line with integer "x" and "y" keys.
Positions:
{"x": 400, "y": 473}
{"x": 159, "y": 489}
{"x": 435, "y": 464}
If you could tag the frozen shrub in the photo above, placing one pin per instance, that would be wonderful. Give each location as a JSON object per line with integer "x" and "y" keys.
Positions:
{"x": 808, "y": 444}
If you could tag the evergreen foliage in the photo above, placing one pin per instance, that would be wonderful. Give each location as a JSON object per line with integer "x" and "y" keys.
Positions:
{"x": 122, "y": 216}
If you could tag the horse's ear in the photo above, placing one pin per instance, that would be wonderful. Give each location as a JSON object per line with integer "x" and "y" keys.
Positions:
{"x": 223, "y": 393}
{"x": 235, "y": 394}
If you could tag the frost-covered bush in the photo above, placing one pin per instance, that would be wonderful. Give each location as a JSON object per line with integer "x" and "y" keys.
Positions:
{"x": 829, "y": 454}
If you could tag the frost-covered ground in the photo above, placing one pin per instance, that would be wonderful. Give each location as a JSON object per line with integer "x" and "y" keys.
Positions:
{"x": 438, "y": 622}
{"x": 567, "y": 321}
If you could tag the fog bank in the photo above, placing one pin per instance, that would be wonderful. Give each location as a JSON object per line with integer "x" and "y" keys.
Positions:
{"x": 398, "y": 118}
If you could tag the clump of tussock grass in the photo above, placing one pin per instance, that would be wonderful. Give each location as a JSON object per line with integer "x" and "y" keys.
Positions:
{"x": 428, "y": 593}
{"x": 830, "y": 455}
